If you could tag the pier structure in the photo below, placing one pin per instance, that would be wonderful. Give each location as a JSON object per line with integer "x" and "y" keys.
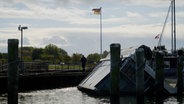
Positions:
{"x": 37, "y": 76}
{"x": 12, "y": 71}
{"x": 45, "y": 80}
{"x": 115, "y": 73}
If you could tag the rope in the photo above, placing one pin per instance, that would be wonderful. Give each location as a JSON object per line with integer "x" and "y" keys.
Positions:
{"x": 161, "y": 35}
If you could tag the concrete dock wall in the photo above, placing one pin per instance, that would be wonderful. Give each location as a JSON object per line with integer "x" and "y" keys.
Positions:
{"x": 38, "y": 81}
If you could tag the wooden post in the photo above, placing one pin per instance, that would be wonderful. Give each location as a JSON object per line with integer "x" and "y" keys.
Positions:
{"x": 114, "y": 73}
{"x": 140, "y": 65}
{"x": 12, "y": 71}
{"x": 180, "y": 75}
{"x": 159, "y": 77}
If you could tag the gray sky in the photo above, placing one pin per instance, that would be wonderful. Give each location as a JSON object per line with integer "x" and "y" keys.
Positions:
{"x": 71, "y": 24}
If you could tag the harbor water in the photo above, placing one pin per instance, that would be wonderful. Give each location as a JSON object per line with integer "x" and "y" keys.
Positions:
{"x": 72, "y": 95}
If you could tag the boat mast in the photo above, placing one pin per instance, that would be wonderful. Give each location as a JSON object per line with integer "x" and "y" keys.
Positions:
{"x": 174, "y": 25}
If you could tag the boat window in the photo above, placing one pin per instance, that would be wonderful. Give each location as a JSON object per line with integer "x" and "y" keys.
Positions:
{"x": 167, "y": 64}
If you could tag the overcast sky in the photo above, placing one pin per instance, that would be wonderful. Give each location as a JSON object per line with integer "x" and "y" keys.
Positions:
{"x": 72, "y": 26}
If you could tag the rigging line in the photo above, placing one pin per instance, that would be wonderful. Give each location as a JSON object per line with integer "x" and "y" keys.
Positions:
{"x": 161, "y": 35}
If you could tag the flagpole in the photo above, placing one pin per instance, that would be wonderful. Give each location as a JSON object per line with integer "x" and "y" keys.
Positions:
{"x": 101, "y": 33}
{"x": 99, "y": 12}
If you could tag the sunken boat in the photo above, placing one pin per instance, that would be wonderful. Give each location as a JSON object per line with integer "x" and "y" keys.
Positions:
{"x": 98, "y": 81}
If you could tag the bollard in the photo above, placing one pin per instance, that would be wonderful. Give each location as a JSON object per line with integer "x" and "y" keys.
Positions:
{"x": 114, "y": 73}
{"x": 159, "y": 72}
{"x": 12, "y": 71}
{"x": 180, "y": 75}
{"x": 159, "y": 77}
{"x": 140, "y": 65}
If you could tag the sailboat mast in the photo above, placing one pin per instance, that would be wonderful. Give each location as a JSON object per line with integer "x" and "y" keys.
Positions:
{"x": 174, "y": 27}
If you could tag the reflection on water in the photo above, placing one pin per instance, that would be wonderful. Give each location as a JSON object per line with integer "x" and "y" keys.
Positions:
{"x": 73, "y": 96}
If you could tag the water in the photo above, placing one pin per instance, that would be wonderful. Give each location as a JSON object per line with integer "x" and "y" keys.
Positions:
{"x": 72, "y": 95}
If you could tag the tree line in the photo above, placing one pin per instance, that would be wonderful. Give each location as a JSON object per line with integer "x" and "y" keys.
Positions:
{"x": 54, "y": 55}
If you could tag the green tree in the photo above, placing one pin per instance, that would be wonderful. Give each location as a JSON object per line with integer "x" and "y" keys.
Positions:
{"x": 105, "y": 53}
{"x": 27, "y": 51}
{"x": 54, "y": 54}
{"x": 66, "y": 59}
{"x": 76, "y": 57}
{"x": 1, "y": 56}
{"x": 63, "y": 55}
{"x": 37, "y": 53}
{"x": 4, "y": 55}
{"x": 51, "y": 53}
{"x": 93, "y": 58}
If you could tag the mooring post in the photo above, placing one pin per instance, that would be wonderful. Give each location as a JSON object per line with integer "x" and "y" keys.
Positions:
{"x": 140, "y": 65}
{"x": 159, "y": 82}
{"x": 12, "y": 71}
{"x": 180, "y": 74}
{"x": 114, "y": 73}
{"x": 159, "y": 72}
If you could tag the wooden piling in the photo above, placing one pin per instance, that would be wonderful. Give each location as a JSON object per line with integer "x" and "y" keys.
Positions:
{"x": 114, "y": 73}
{"x": 159, "y": 82}
{"x": 12, "y": 71}
{"x": 140, "y": 65}
{"x": 180, "y": 75}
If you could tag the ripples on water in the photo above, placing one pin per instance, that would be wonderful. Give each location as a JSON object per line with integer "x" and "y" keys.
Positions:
{"x": 56, "y": 96}
{"x": 73, "y": 96}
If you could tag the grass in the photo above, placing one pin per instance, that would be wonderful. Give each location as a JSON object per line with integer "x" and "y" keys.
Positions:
{"x": 70, "y": 67}
{"x": 65, "y": 67}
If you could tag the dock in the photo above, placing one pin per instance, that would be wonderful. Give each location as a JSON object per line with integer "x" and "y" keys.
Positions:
{"x": 50, "y": 79}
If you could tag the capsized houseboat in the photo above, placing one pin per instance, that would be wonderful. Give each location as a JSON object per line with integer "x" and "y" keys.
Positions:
{"x": 98, "y": 81}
